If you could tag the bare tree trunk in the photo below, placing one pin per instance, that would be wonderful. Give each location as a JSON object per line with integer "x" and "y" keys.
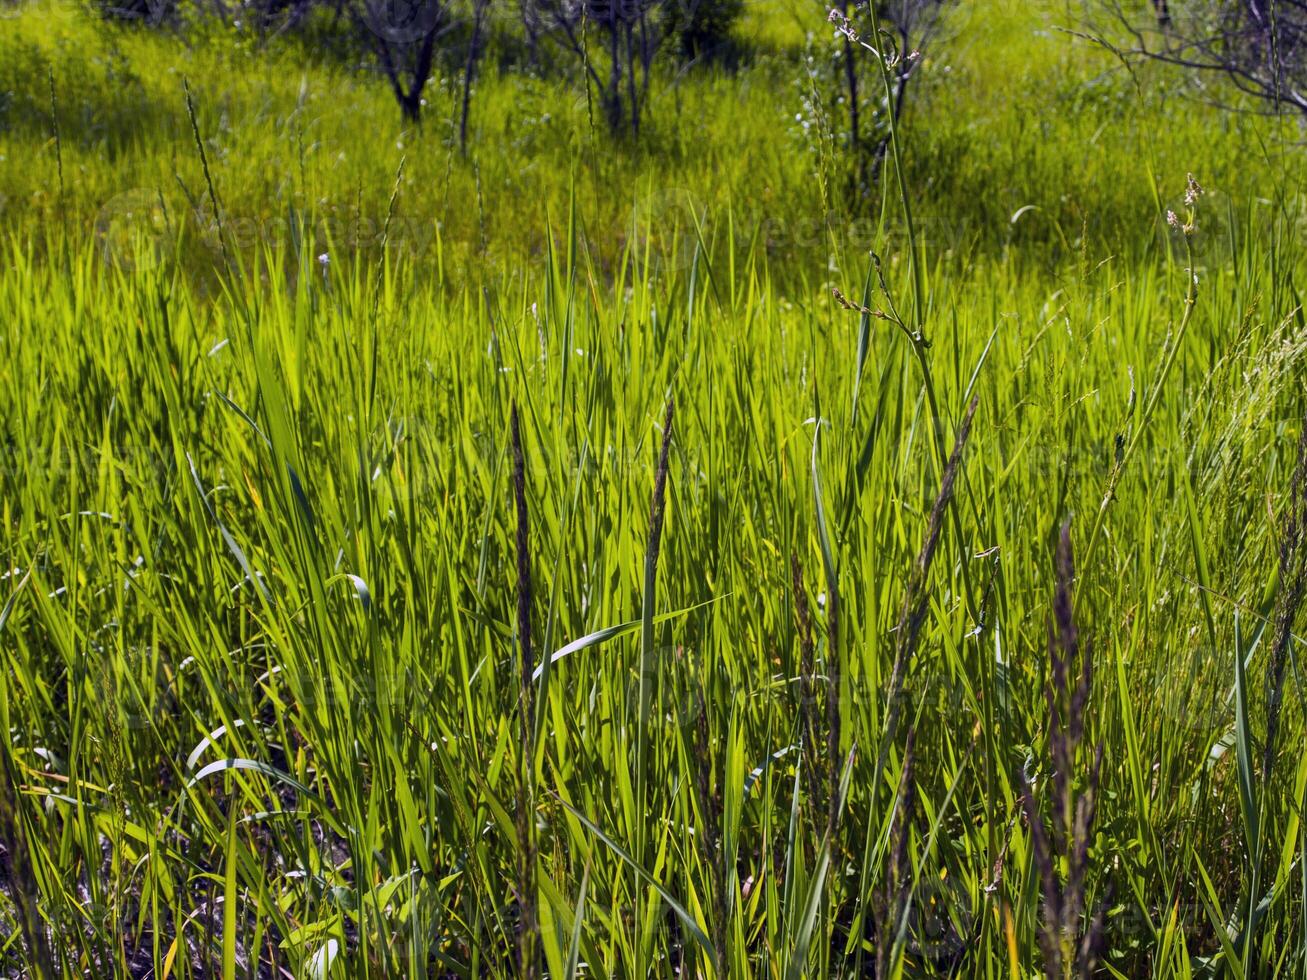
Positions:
{"x": 632, "y": 94}
{"x": 407, "y": 93}
{"x": 647, "y": 46}
{"x": 901, "y": 78}
{"x": 469, "y": 70}
{"x": 530, "y": 29}
{"x": 855, "y": 122}
{"x": 410, "y": 101}
{"x": 613, "y": 97}
{"x": 634, "y": 30}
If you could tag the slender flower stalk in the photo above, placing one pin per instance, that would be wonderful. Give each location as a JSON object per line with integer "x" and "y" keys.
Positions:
{"x": 526, "y": 756}
{"x": 649, "y": 666}
{"x": 813, "y": 764}
{"x": 833, "y": 676}
{"x": 657, "y": 509}
{"x": 1293, "y": 587}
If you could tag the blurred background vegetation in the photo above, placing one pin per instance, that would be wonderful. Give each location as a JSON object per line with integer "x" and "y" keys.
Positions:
{"x": 1025, "y": 142}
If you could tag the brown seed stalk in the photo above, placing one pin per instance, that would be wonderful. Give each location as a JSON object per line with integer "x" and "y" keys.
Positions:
{"x": 1068, "y": 950}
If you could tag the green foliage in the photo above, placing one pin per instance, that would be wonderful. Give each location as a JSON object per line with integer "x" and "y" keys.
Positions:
{"x": 259, "y": 630}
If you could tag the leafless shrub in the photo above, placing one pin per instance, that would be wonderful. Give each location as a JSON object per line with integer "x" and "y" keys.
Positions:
{"x": 897, "y": 31}
{"x": 618, "y": 61}
{"x": 149, "y": 12}
{"x": 404, "y": 35}
{"x": 1258, "y": 46}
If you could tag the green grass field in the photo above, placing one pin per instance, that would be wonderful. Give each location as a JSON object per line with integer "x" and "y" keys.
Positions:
{"x": 280, "y": 702}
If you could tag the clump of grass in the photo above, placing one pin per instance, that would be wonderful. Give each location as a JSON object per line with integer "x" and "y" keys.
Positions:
{"x": 362, "y": 835}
